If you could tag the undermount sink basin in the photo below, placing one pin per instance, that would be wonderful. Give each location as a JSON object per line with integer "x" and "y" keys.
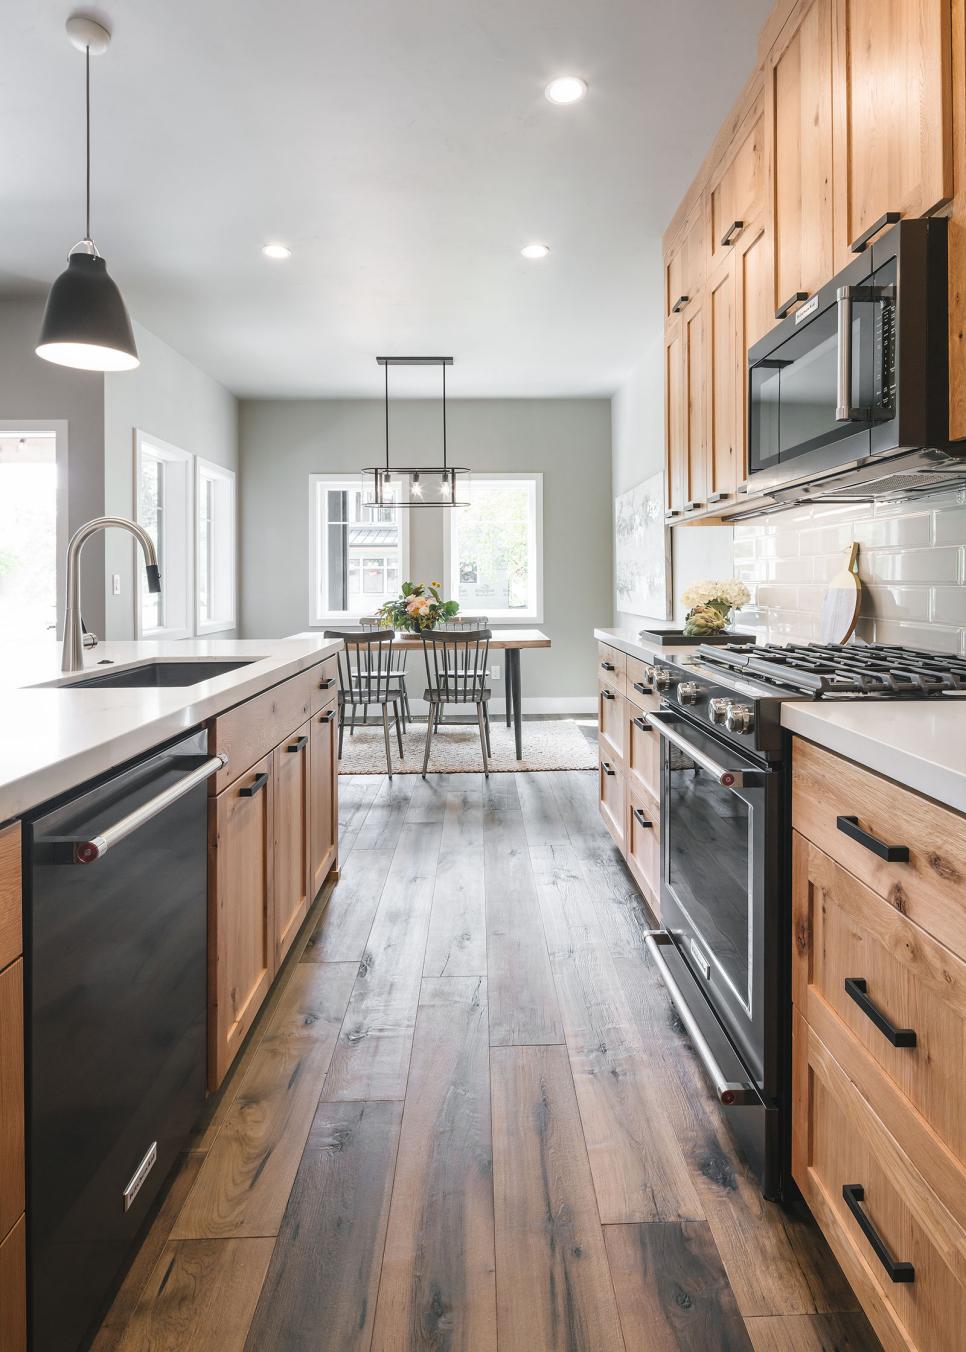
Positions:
{"x": 156, "y": 675}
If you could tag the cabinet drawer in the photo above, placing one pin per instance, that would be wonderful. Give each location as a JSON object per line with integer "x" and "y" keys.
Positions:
{"x": 839, "y": 1142}
{"x": 11, "y": 1096}
{"x": 11, "y": 933}
{"x": 930, "y": 885}
{"x": 636, "y": 688}
{"x": 642, "y": 750}
{"x": 643, "y": 844}
{"x": 610, "y": 722}
{"x": 611, "y": 792}
{"x": 250, "y": 731}
{"x": 888, "y": 982}
{"x": 611, "y": 667}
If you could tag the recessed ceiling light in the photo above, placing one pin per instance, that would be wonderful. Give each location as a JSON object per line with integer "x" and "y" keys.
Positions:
{"x": 535, "y": 250}
{"x": 566, "y": 89}
{"x": 277, "y": 251}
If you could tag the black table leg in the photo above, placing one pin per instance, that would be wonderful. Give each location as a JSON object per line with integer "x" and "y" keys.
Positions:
{"x": 513, "y": 674}
{"x": 509, "y": 689}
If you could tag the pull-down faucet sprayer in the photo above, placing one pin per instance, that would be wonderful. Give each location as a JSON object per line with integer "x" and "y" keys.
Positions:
{"x": 73, "y": 651}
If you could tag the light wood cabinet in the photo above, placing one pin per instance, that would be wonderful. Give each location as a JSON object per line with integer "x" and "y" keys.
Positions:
{"x": 798, "y": 131}
{"x": 686, "y": 439}
{"x": 13, "y": 1267}
{"x": 610, "y": 722}
{"x": 242, "y": 934}
{"x": 675, "y": 418}
{"x": 324, "y": 768}
{"x": 293, "y": 817}
{"x": 11, "y": 1096}
{"x": 642, "y": 835}
{"x": 724, "y": 457}
{"x": 642, "y": 759}
{"x": 611, "y": 795}
{"x": 685, "y": 264}
{"x": 13, "y": 1290}
{"x": 737, "y": 194}
{"x": 893, "y": 114}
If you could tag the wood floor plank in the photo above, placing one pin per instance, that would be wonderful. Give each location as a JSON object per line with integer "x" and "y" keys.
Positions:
{"x": 500, "y": 792}
{"x": 621, "y": 910}
{"x": 638, "y": 1168}
{"x": 541, "y": 814}
{"x": 457, "y": 929}
{"x": 244, "y": 1183}
{"x": 371, "y": 1058}
{"x": 577, "y": 802}
{"x": 201, "y": 1294}
{"x": 813, "y": 1333}
{"x": 343, "y": 927}
{"x": 428, "y": 803}
{"x": 554, "y": 1289}
{"x": 463, "y": 815}
{"x": 356, "y": 794}
{"x": 438, "y": 1278}
{"x": 386, "y": 817}
{"x": 672, "y": 1291}
{"x": 320, "y": 1291}
{"x": 522, "y": 996}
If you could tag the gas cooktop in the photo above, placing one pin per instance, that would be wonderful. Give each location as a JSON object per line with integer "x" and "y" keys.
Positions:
{"x": 836, "y": 670}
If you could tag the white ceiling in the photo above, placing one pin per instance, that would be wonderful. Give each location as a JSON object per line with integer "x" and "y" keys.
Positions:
{"x": 404, "y": 151}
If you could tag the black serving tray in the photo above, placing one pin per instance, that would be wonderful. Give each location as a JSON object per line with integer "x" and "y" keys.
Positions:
{"x": 669, "y": 637}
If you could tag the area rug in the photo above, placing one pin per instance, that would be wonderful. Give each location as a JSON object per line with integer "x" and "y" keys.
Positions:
{"x": 548, "y": 744}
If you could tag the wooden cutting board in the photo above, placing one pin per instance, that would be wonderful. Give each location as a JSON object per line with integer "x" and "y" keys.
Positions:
{"x": 840, "y": 609}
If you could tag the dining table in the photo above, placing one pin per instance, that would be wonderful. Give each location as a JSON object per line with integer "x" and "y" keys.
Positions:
{"x": 512, "y": 641}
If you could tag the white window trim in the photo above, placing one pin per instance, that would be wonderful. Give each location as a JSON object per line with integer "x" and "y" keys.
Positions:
{"x": 59, "y": 427}
{"x": 215, "y": 471}
{"x": 173, "y": 454}
{"x": 504, "y": 617}
{"x": 317, "y": 618}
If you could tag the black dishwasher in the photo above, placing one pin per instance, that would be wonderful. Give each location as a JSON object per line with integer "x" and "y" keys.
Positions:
{"x": 116, "y": 922}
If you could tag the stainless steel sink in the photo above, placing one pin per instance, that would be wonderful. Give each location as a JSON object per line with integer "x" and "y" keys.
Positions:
{"x": 157, "y": 675}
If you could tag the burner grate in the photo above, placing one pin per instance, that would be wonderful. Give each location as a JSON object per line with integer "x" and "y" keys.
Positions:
{"x": 835, "y": 669}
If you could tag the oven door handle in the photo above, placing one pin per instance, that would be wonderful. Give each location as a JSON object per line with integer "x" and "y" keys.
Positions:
{"x": 729, "y": 1092}
{"x": 729, "y": 779}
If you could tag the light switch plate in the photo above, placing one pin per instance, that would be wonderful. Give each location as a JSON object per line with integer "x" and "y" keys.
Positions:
{"x": 496, "y": 671}
{"x": 116, "y": 583}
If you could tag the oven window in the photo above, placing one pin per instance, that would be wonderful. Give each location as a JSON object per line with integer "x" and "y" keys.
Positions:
{"x": 709, "y": 850}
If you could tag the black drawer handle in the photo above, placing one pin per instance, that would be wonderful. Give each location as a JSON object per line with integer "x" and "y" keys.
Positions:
{"x": 640, "y": 723}
{"x": 669, "y": 516}
{"x": 642, "y": 689}
{"x": 862, "y": 243}
{"x": 732, "y": 233}
{"x": 257, "y": 783}
{"x": 786, "y": 305}
{"x": 607, "y": 694}
{"x": 607, "y": 768}
{"x": 679, "y": 304}
{"x": 857, "y": 987}
{"x": 892, "y": 854}
{"x": 298, "y": 743}
{"x": 854, "y": 1193}
{"x": 641, "y": 819}
{"x": 327, "y": 718}
{"x": 608, "y": 666}
{"x": 716, "y": 497}
{"x": 327, "y": 684}
{"x": 693, "y": 505}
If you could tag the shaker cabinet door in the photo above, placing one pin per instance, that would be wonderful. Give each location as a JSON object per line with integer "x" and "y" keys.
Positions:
{"x": 291, "y": 846}
{"x": 324, "y": 765}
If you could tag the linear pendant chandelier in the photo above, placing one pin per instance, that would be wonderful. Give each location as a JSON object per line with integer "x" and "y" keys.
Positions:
{"x": 86, "y": 324}
{"x": 426, "y": 485}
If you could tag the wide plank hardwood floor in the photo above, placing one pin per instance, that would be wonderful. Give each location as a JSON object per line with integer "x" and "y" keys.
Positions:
{"x": 468, "y": 1120}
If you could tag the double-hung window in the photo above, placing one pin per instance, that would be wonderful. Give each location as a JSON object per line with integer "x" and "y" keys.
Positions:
{"x": 214, "y": 547}
{"x": 494, "y": 548}
{"x": 359, "y": 553}
{"x": 163, "y": 478}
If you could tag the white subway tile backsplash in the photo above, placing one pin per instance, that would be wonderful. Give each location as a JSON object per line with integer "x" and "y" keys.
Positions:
{"x": 936, "y": 636}
{"x": 949, "y": 605}
{"x": 913, "y": 565}
{"x": 950, "y": 527}
{"x": 908, "y": 532}
{"x": 896, "y": 603}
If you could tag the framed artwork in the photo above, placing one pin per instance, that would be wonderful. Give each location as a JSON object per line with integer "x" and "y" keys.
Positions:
{"x": 642, "y": 561}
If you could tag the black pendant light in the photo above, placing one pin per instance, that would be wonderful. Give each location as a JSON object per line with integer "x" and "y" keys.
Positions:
{"x": 429, "y": 485}
{"x": 86, "y": 324}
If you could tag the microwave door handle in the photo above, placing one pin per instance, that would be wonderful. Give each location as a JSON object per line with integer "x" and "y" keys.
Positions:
{"x": 843, "y": 399}
{"x": 728, "y": 779}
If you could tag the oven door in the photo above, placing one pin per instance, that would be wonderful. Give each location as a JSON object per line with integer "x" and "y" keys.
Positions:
{"x": 721, "y": 894}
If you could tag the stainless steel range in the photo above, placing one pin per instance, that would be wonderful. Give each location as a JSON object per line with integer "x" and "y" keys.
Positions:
{"x": 724, "y": 951}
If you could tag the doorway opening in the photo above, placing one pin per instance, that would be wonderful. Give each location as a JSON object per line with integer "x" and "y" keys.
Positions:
{"x": 30, "y": 495}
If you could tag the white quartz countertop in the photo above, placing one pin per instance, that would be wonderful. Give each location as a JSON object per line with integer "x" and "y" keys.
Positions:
{"x": 629, "y": 641}
{"x": 54, "y": 738}
{"x": 920, "y": 744}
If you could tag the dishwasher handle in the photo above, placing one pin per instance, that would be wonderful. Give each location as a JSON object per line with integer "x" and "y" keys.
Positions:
{"x": 88, "y": 851}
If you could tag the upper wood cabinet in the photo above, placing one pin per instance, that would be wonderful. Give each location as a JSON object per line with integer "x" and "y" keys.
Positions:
{"x": 893, "y": 112}
{"x": 686, "y": 263}
{"x": 737, "y": 192}
{"x": 798, "y": 133}
{"x": 724, "y": 364}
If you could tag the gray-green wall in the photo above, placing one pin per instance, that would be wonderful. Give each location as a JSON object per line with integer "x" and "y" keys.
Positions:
{"x": 282, "y": 442}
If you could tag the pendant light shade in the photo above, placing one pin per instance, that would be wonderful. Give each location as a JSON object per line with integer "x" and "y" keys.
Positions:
{"x": 86, "y": 323}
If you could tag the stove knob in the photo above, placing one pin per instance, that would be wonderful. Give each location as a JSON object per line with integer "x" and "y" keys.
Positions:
{"x": 718, "y": 710}
{"x": 740, "y": 718}
{"x": 648, "y": 677}
{"x": 662, "y": 678}
{"x": 688, "y": 692}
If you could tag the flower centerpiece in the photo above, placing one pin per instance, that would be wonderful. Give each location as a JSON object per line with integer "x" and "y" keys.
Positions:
{"x": 420, "y": 606}
{"x": 711, "y": 604}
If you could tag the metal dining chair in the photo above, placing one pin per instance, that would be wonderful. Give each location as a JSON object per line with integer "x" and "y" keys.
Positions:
{"x": 397, "y": 668}
{"x": 456, "y": 674}
{"x": 365, "y": 677}
{"x": 459, "y": 624}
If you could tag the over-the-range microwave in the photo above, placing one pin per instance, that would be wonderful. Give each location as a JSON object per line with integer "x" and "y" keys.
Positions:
{"x": 848, "y": 398}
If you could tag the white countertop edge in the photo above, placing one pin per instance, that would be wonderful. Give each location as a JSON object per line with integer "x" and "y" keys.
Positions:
{"x": 920, "y": 745}
{"x": 633, "y": 645}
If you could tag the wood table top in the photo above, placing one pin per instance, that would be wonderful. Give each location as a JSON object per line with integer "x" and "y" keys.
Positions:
{"x": 502, "y": 638}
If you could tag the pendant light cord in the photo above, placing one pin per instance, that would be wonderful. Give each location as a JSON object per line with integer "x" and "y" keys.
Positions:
{"x": 87, "y": 112}
{"x": 444, "y": 415}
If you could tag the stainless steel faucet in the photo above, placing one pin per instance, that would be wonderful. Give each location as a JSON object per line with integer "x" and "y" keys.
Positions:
{"x": 73, "y": 652}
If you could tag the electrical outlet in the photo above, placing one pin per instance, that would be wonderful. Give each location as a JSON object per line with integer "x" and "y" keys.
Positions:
{"x": 496, "y": 671}
{"x": 116, "y": 583}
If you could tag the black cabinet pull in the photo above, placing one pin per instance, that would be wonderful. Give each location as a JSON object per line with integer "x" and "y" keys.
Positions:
{"x": 786, "y": 305}
{"x": 669, "y": 516}
{"x": 857, "y": 987}
{"x": 640, "y": 723}
{"x": 257, "y": 783}
{"x": 607, "y": 768}
{"x": 642, "y": 689}
{"x": 732, "y": 233}
{"x": 693, "y": 505}
{"x": 716, "y": 497}
{"x": 327, "y": 684}
{"x": 608, "y": 666}
{"x": 327, "y": 718}
{"x": 892, "y": 854}
{"x": 298, "y": 743}
{"x": 862, "y": 243}
{"x": 607, "y": 694}
{"x": 641, "y": 819}
{"x": 854, "y": 1193}
{"x": 679, "y": 304}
